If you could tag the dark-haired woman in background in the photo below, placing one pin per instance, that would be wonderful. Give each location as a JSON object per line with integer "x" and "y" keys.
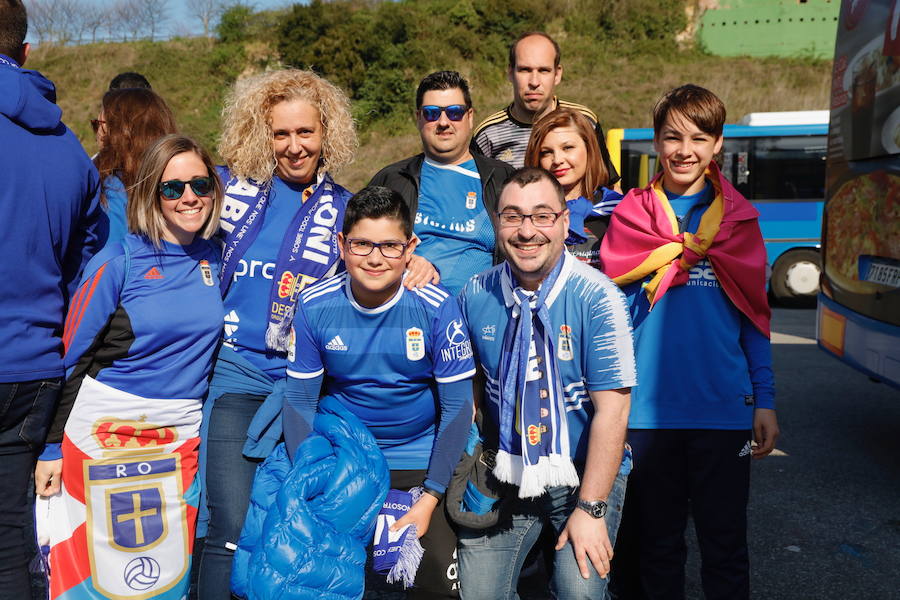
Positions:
{"x": 130, "y": 120}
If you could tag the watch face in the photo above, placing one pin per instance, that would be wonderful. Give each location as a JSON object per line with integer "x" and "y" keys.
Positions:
{"x": 595, "y": 509}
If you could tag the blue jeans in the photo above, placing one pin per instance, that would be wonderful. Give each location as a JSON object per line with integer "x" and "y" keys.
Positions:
{"x": 490, "y": 559}
{"x": 26, "y": 409}
{"x": 229, "y": 477}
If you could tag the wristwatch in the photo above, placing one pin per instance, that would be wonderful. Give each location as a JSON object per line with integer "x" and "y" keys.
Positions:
{"x": 595, "y": 509}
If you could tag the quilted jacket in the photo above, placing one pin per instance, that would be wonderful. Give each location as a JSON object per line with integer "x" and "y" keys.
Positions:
{"x": 308, "y": 524}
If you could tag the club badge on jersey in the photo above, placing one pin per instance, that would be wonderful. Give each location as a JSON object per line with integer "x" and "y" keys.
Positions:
{"x": 415, "y": 344}
{"x": 471, "y": 200}
{"x": 564, "y": 343}
{"x": 206, "y": 273}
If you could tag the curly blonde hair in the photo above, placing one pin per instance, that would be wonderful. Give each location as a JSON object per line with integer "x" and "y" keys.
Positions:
{"x": 246, "y": 144}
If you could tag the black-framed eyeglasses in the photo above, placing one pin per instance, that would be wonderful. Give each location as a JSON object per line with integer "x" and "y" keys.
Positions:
{"x": 174, "y": 188}
{"x": 361, "y": 247}
{"x": 96, "y": 123}
{"x": 432, "y": 112}
{"x": 539, "y": 219}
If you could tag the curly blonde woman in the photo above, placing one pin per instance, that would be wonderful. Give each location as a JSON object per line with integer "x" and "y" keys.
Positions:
{"x": 284, "y": 133}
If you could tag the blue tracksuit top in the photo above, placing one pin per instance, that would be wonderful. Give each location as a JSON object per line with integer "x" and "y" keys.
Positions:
{"x": 49, "y": 206}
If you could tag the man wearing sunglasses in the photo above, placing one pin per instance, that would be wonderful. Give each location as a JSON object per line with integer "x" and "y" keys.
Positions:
{"x": 534, "y": 71}
{"x": 451, "y": 194}
{"x": 553, "y": 338}
{"x": 48, "y": 210}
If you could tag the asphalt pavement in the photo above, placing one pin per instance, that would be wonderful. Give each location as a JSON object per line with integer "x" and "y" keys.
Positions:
{"x": 824, "y": 515}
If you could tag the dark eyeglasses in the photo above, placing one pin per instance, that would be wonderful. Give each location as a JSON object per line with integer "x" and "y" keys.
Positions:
{"x": 96, "y": 123}
{"x": 174, "y": 188}
{"x": 541, "y": 219}
{"x": 361, "y": 247}
{"x": 455, "y": 112}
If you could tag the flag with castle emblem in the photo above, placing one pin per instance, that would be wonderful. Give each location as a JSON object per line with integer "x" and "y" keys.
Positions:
{"x": 123, "y": 526}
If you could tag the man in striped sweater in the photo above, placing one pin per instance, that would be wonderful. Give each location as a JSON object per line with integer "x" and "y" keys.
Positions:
{"x": 534, "y": 71}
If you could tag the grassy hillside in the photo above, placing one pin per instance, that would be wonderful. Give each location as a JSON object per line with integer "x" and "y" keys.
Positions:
{"x": 618, "y": 73}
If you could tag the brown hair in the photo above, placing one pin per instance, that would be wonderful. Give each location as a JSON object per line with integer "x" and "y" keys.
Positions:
{"x": 697, "y": 104}
{"x": 13, "y": 27}
{"x": 135, "y": 118}
{"x": 143, "y": 210}
{"x": 595, "y": 173}
{"x": 512, "y": 48}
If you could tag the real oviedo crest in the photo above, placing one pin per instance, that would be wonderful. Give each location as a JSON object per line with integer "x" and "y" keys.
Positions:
{"x": 415, "y": 344}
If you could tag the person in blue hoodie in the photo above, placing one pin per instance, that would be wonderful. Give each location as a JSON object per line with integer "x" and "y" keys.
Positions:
{"x": 49, "y": 210}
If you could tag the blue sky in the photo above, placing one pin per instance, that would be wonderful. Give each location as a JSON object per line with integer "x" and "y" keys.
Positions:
{"x": 181, "y": 22}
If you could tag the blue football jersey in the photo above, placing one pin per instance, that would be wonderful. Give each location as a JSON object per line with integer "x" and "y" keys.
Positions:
{"x": 149, "y": 323}
{"x": 247, "y": 299}
{"x": 591, "y": 331}
{"x": 384, "y": 363}
{"x": 454, "y": 228}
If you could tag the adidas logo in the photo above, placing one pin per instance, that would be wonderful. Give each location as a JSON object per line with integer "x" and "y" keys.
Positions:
{"x": 745, "y": 450}
{"x": 336, "y": 344}
{"x": 153, "y": 274}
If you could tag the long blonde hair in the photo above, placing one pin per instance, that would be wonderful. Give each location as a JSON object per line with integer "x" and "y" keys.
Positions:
{"x": 246, "y": 144}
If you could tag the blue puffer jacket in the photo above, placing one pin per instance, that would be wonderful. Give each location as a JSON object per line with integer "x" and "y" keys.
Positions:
{"x": 309, "y": 523}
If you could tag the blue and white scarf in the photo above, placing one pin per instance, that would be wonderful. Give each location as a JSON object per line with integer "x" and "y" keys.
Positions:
{"x": 397, "y": 553}
{"x": 308, "y": 252}
{"x": 532, "y": 402}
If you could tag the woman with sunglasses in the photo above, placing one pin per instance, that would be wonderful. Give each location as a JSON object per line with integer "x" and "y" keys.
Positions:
{"x": 564, "y": 143}
{"x": 139, "y": 339}
{"x": 284, "y": 134}
{"x": 129, "y": 121}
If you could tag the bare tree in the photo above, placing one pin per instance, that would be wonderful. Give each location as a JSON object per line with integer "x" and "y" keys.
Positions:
{"x": 95, "y": 17}
{"x": 207, "y": 12}
{"x": 127, "y": 19}
{"x": 71, "y": 15}
{"x": 154, "y": 13}
{"x": 41, "y": 20}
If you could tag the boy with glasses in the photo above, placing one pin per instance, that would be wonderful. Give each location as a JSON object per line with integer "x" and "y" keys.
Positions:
{"x": 400, "y": 360}
{"x": 450, "y": 193}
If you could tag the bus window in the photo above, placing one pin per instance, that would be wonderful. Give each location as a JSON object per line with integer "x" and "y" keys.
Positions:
{"x": 788, "y": 168}
{"x": 638, "y": 163}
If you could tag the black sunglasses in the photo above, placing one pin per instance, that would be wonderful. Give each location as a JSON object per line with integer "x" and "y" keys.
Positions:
{"x": 455, "y": 112}
{"x": 174, "y": 188}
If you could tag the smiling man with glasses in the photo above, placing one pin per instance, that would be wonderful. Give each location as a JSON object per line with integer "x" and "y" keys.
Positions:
{"x": 450, "y": 193}
{"x": 557, "y": 386}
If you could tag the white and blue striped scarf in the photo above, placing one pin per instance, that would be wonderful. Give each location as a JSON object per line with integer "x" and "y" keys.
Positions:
{"x": 532, "y": 400}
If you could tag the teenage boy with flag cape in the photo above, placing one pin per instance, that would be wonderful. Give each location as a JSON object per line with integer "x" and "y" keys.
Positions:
{"x": 689, "y": 255}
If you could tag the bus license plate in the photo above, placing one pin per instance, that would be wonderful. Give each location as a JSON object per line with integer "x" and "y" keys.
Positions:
{"x": 879, "y": 271}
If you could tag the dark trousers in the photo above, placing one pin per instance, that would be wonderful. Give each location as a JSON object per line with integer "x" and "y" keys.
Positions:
{"x": 438, "y": 574}
{"x": 229, "y": 477}
{"x": 704, "y": 473}
{"x": 26, "y": 409}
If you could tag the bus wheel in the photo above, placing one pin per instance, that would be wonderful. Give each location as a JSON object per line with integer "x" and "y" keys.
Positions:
{"x": 795, "y": 276}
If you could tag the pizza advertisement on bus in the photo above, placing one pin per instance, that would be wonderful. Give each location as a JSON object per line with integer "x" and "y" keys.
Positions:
{"x": 862, "y": 214}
